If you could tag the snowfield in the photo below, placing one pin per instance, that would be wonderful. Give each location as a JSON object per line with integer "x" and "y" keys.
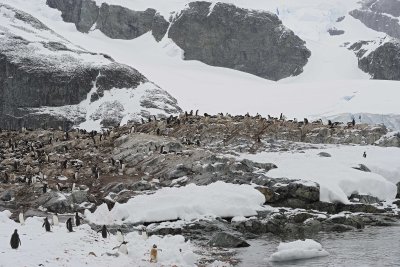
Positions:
{"x": 335, "y": 175}
{"x": 298, "y": 250}
{"x": 330, "y": 85}
{"x": 186, "y": 203}
{"x": 60, "y": 248}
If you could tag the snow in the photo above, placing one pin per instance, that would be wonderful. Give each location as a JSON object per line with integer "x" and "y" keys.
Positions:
{"x": 187, "y": 203}
{"x": 320, "y": 91}
{"x": 60, "y": 248}
{"x": 335, "y": 175}
{"x": 299, "y": 249}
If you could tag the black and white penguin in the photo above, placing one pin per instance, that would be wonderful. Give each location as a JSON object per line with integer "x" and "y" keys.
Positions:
{"x": 104, "y": 231}
{"x": 69, "y": 225}
{"x": 46, "y": 225}
{"x": 55, "y": 219}
{"x": 120, "y": 236}
{"x": 44, "y": 188}
{"x": 21, "y": 218}
{"x": 77, "y": 219}
{"x": 15, "y": 242}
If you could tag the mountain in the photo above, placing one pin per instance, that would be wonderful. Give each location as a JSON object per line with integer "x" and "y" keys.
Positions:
{"x": 46, "y": 81}
{"x": 303, "y": 59}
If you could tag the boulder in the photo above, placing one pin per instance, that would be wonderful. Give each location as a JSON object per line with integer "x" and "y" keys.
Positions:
{"x": 324, "y": 154}
{"x": 7, "y": 195}
{"x": 225, "y": 240}
{"x": 362, "y": 167}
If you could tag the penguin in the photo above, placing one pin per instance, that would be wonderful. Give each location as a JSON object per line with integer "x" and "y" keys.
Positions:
{"x": 55, "y": 219}
{"x": 104, "y": 231}
{"x": 120, "y": 236}
{"x": 69, "y": 225}
{"x": 34, "y": 180}
{"x": 15, "y": 242}
{"x": 77, "y": 219}
{"x": 46, "y": 225}
{"x": 44, "y": 188}
{"x": 76, "y": 176}
{"x": 153, "y": 254}
{"x": 145, "y": 236}
{"x": 21, "y": 218}
{"x": 122, "y": 248}
{"x": 365, "y": 154}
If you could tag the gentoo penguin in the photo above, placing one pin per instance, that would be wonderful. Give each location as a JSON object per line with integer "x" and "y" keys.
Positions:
{"x": 153, "y": 254}
{"x": 15, "y": 242}
{"x": 76, "y": 176}
{"x": 46, "y": 225}
{"x": 122, "y": 248}
{"x": 73, "y": 187}
{"x": 69, "y": 225}
{"x": 44, "y": 188}
{"x": 120, "y": 236}
{"x": 55, "y": 220}
{"x": 104, "y": 231}
{"x": 21, "y": 218}
{"x": 77, "y": 219}
{"x": 145, "y": 236}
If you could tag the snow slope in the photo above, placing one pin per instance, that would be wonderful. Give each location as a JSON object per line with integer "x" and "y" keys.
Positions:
{"x": 331, "y": 83}
{"x": 335, "y": 175}
{"x": 190, "y": 202}
{"x": 60, "y": 248}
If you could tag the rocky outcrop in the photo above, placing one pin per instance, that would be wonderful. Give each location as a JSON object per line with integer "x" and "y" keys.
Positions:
{"x": 44, "y": 81}
{"x": 250, "y": 41}
{"x": 225, "y": 240}
{"x": 383, "y": 63}
{"x": 380, "y": 15}
{"x": 226, "y": 36}
{"x": 114, "y": 21}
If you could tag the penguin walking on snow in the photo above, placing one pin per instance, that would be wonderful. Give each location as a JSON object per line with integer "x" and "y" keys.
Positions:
{"x": 69, "y": 225}
{"x": 120, "y": 236}
{"x": 122, "y": 248}
{"x": 15, "y": 242}
{"x": 21, "y": 218}
{"x": 46, "y": 225}
{"x": 55, "y": 220}
{"x": 104, "y": 231}
{"x": 78, "y": 219}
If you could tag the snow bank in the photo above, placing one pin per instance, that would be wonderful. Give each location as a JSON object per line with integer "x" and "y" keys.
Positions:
{"x": 299, "y": 250}
{"x": 60, "y": 248}
{"x": 335, "y": 175}
{"x": 215, "y": 200}
{"x": 5, "y": 216}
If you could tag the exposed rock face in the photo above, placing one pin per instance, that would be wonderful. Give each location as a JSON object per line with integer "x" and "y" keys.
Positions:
{"x": 380, "y": 15}
{"x": 383, "y": 63}
{"x": 225, "y": 240}
{"x": 39, "y": 77}
{"x": 114, "y": 21}
{"x": 232, "y": 37}
{"x": 335, "y": 32}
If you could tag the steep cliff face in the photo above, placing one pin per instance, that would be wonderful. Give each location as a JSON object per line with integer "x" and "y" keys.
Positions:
{"x": 222, "y": 35}
{"x": 250, "y": 41}
{"x": 380, "y": 59}
{"x": 114, "y": 21}
{"x": 43, "y": 78}
{"x": 380, "y": 15}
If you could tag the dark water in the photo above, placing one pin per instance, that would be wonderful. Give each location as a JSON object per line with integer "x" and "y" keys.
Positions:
{"x": 373, "y": 246}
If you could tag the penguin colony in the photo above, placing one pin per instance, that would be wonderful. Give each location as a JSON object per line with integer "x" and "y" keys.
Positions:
{"x": 38, "y": 158}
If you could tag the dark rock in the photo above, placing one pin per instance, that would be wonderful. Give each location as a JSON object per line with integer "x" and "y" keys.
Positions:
{"x": 225, "y": 240}
{"x": 335, "y": 32}
{"x": 362, "y": 167}
{"x": 301, "y": 217}
{"x": 354, "y": 221}
{"x": 324, "y": 154}
{"x": 337, "y": 228}
{"x": 246, "y": 40}
{"x": 398, "y": 190}
{"x": 365, "y": 199}
{"x": 7, "y": 195}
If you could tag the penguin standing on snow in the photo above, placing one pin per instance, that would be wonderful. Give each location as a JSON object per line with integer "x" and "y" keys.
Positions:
{"x": 21, "y": 218}
{"x": 120, "y": 236}
{"x": 46, "y": 225}
{"x": 145, "y": 236}
{"x": 104, "y": 231}
{"x": 122, "y": 248}
{"x": 55, "y": 219}
{"x": 77, "y": 219}
{"x": 69, "y": 225}
{"x": 15, "y": 242}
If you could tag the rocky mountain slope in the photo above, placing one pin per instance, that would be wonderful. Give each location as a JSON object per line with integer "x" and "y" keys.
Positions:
{"x": 46, "y": 81}
{"x": 219, "y": 35}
